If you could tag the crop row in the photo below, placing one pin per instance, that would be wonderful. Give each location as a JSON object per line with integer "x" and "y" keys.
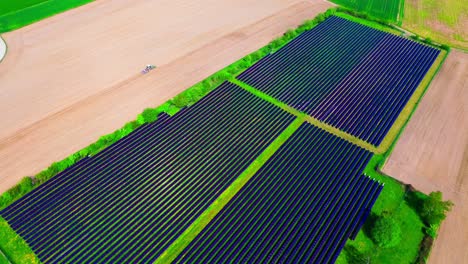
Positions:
{"x": 347, "y": 75}
{"x": 386, "y": 10}
{"x": 132, "y": 200}
{"x": 301, "y": 207}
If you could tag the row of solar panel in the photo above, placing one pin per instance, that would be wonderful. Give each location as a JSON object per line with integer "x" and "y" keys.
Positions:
{"x": 347, "y": 75}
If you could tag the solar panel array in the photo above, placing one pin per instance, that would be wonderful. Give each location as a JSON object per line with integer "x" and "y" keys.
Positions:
{"x": 128, "y": 203}
{"x": 131, "y": 201}
{"x": 301, "y": 206}
{"x": 347, "y": 75}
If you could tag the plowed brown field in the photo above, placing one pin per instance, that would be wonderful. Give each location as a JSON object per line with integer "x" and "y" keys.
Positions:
{"x": 67, "y": 80}
{"x": 432, "y": 154}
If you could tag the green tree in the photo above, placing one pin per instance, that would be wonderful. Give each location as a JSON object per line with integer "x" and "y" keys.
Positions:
{"x": 434, "y": 209}
{"x": 149, "y": 115}
{"x": 386, "y": 232}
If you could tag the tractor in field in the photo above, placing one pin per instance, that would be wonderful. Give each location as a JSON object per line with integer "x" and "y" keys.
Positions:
{"x": 148, "y": 68}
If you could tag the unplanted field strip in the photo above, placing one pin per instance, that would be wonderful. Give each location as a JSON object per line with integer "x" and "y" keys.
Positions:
{"x": 356, "y": 84}
{"x": 300, "y": 207}
{"x": 131, "y": 201}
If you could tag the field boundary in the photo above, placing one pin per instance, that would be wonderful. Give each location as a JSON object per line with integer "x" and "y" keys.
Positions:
{"x": 223, "y": 199}
{"x": 330, "y": 129}
{"x": 410, "y": 107}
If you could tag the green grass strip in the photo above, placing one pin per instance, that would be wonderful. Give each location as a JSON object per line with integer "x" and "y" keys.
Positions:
{"x": 13, "y": 247}
{"x": 330, "y": 129}
{"x": 410, "y": 107}
{"x": 202, "y": 221}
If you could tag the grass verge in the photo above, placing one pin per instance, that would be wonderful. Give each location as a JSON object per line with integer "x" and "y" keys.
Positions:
{"x": 14, "y": 247}
{"x": 203, "y": 220}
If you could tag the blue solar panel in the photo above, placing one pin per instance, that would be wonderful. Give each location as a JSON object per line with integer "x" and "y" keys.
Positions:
{"x": 347, "y": 75}
{"x": 300, "y": 207}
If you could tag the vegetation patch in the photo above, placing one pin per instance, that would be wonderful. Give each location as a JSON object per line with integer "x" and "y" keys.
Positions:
{"x": 13, "y": 248}
{"x": 22, "y": 13}
{"x": 388, "y": 10}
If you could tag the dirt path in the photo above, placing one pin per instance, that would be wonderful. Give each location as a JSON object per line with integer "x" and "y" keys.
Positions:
{"x": 64, "y": 84}
{"x": 432, "y": 154}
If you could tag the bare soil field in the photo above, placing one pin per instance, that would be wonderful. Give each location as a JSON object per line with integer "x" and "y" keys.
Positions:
{"x": 70, "y": 79}
{"x": 432, "y": 154}
{"x": 444, "y": 21}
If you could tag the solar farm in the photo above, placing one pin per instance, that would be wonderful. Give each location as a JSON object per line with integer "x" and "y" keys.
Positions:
{"x": 253, "y": 172}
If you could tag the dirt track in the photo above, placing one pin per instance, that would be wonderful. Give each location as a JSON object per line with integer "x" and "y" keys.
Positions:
{"x": 432, "y": 154}
{"x": 69, "y": 79}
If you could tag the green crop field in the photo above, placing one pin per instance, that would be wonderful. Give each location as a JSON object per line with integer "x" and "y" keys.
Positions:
{"x": 390, "y": 10}
{"x": 17, "y": 14}
{"x": 13, "y": 6}
{"x": 443, "y": 21}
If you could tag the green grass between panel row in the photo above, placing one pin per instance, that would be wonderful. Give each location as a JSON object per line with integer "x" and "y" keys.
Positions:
{"x": 197, "y": 226}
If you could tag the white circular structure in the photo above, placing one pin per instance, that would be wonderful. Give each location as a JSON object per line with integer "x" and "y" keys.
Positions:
{"x": 3, "y": 48}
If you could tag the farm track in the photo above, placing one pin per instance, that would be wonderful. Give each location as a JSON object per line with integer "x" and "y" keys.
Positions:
{"x": 69, "y": 106}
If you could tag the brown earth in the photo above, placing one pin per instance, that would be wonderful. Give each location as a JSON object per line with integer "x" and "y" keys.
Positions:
{"x": 432, "y": 154}
{"x": 67, "y": 80}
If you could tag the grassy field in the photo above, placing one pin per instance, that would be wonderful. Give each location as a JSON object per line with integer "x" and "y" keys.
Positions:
{"x": 17, "y": 14}
{"x": 443, "y": 21}
{"x": 389, "y": 10}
